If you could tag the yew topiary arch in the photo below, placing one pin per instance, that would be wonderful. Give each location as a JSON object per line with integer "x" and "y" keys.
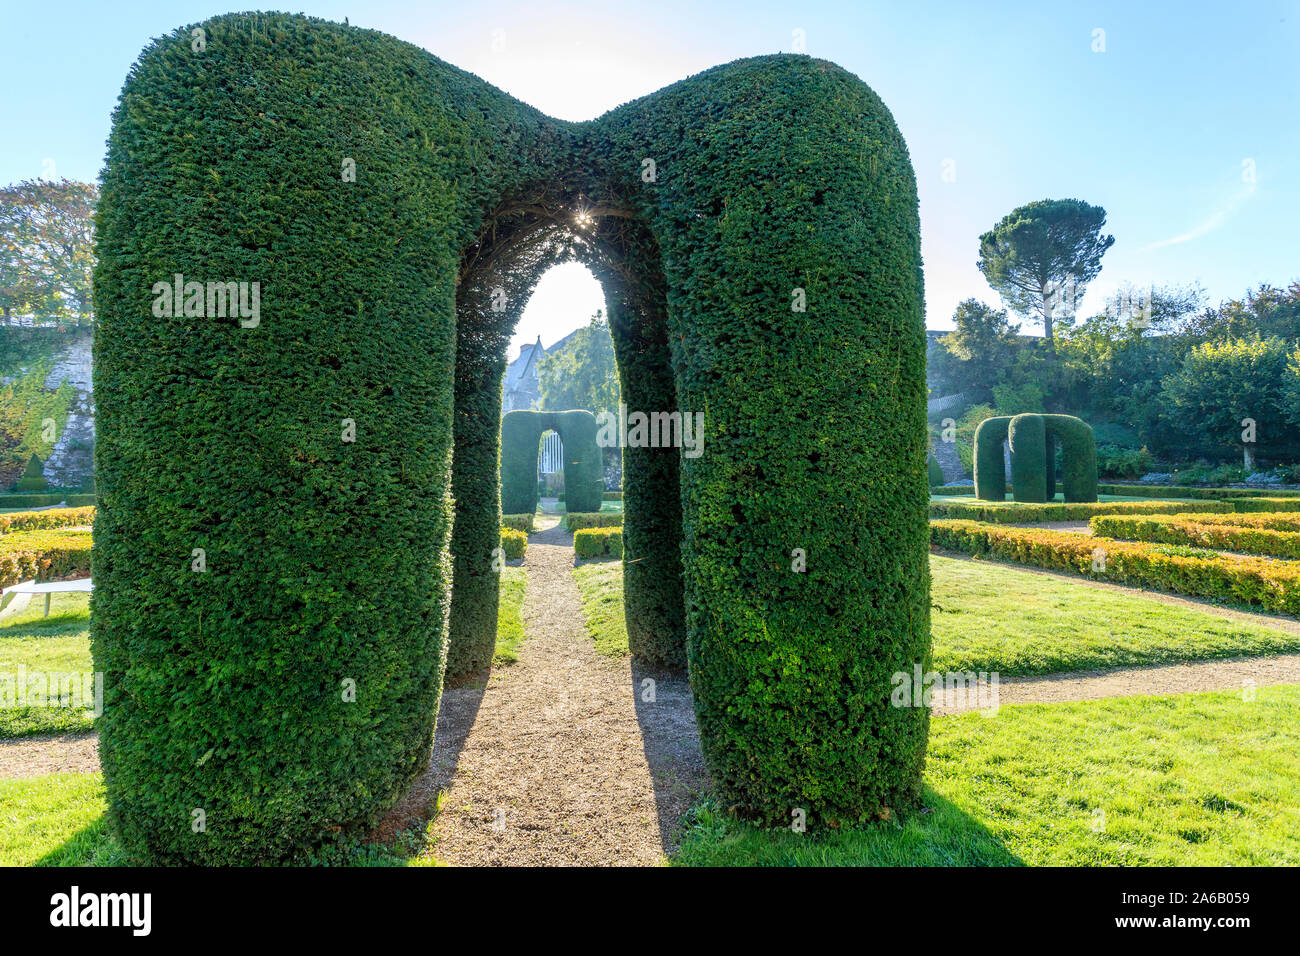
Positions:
{"x": 521, "y": 432}
{"x": 289, "y": 686}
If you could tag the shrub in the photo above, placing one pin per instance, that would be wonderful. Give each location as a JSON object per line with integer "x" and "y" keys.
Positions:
{"x": 990, "y": 463}
{"x": 1184, "y": 491}
{"x": 1273, "y": 585}
{"x": 936, "y": 472}
{"x": 611, "y": 496}
{"x": 522, "y": 523}
{"x": 44, "y": 501}
{"x": 328, "y": 560}
{"x": 953, "y": 490}
{"x": 598, "y": 543}
{"x": 1078, "y": 457}
{"x": 513, "y": 543}
{"x": 575, "y": 520}
{"x": 44, "y": 556}
{"x": 1016, "y": 512}
{"x": 33, "y": 478}
{"x": 54, "y": 518}
{"x": 1027, "y": 436}
{"x": 1187, "y": 530}
{"x": 1277, "y": 521}
{"x": 1262, "y": 504}
{"x": 1114, "y": 461}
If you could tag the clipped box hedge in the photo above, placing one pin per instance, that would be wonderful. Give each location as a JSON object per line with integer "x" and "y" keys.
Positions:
{"x": 592, "y": 519}
{"x": 522, "y": 522}
{"x": 44, "y": 501}
{"x": 44, "y": 556}
{"x": 611, "y": 496}
{"x": 514, "y": 543}
{"x": 53, "y": 518}
{"x": 1192, "y": 491}
{"x": 1262, "y": 504}
{"x": 1017, "y": 512}
{"x": 1275, "y": 520}
{"x": 1186, "y": 530}
{"x": 953, "y": 490}
{"x": 1270, "y": 584}
{"x": 598, "y": 543}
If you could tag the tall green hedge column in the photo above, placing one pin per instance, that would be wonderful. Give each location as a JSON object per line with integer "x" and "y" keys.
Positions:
{"x": 1027, "y": 437}
{"x": 1078, "y": 456}
{"x": 990, "y": 465}
{"x": 784, "y": 208}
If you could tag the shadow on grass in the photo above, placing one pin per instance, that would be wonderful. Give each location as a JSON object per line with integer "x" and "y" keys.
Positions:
{"x": 938, "y": 834}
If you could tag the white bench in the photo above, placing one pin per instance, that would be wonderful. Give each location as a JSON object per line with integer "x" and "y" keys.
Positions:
{"x": 15, "y": 598}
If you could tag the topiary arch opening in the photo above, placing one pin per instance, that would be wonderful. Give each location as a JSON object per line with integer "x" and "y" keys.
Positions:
{"x": 298, "y": 508}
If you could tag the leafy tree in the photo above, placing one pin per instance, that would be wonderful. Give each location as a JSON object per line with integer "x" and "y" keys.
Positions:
{"x": 46, "y": 250}
{"x": 1230, "y": 395}
{"x": 582, "y": 373}
{"x": 975, "y": 355}
{"x": 1040, "y": 257}
{"x": 1265, "y": 311}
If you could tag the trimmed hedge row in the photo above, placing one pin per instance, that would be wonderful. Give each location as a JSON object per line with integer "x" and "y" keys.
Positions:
{"x": 522, "y": 523}
{"x": 953, "y": 490}
{"x": 1277, "y": 521}
{"x": 1016, "y": 512}
{"x": 54, "y": 518}
{"x": 44, "y": 556}
{"x": 598, "y": 543}
{"x": 513, "y": 543}
{"x": 611, "y": 496}
{"x": 592, "y": 519}
{"x": 1261, "y": 504}
{"x": 44, "y": 501}
{"x": 1273, "y": 585}
{"x": 1179, "y": 491}
{"x": 1185, "y": 529}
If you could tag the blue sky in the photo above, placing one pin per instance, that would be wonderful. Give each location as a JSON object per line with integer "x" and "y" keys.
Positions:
{"x": 1166, "y": 128}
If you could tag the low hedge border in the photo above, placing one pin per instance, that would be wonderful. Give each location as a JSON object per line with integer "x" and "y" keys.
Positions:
{"x": 514, "y": 543}
{"x": 1184, "y": 529}
{"x": 603, "y": 542}
{"x": 1263, "y": 504}
{"x": 611, "y": 496}
{"x": 44, "y": 501}
{"x": 522, "y": 523}
{"x": 44, "y": 556}
{"x": 1274, "y": 520}
{"x": 953, "y": 490}
{"x": 40, "y": 520}
{"x": 592, "y": 519}
{"x": 1019, "y": 512}
{"x": 1190, "y": 491}
{"x": 1270, "y": 584}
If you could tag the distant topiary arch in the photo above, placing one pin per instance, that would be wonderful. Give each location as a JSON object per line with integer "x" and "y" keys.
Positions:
{"x": 1033, "y": 439}
{"x": 521, "y": 431}
{"x": 333, "y": 458}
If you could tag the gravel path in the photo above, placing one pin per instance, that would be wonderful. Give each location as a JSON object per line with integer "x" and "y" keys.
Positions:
{"x": 1236, "y": 674}
{"x": 56, "y": 753}
{"x": 562, "y": 761}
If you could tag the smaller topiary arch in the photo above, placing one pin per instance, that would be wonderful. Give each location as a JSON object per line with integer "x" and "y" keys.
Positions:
{"x": 521, "y": 431}
{"x": 1033, "y": 439}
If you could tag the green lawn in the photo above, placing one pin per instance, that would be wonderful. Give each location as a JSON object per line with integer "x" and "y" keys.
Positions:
{"x": 58, "y": 644}
{"x": 988, "y": 617}
{"x": 600, "y": 585}
{"x": 510, "y": 618}
{"x": 1188, "y": 780}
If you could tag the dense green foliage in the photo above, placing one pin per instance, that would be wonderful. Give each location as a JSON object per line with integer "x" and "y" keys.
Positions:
{"x": 767, "y": 302}
{"x": 1188, "y": 529}
{"x": 513, "y": 543}
{"x": 522, "y": 523}
{"x": 592, "y": 519}
{"x": 33, "y": 478}
{"x": 1078, "y": 457}
{"x": 44, "y": 555}
{"x": 521, "y": 433}
{"x": 598, "y": 543}
{"x": 582, "y": 373}
{"x": 46, "y": 254}
{"x": 934, "y": 471}
{"x": 1017, "y": 512}
{"x": 990, "y": 463}
{"x": 1040, "y": 257}
{"x": 44, "y": 501}
{"x": 1027, "y": 438}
